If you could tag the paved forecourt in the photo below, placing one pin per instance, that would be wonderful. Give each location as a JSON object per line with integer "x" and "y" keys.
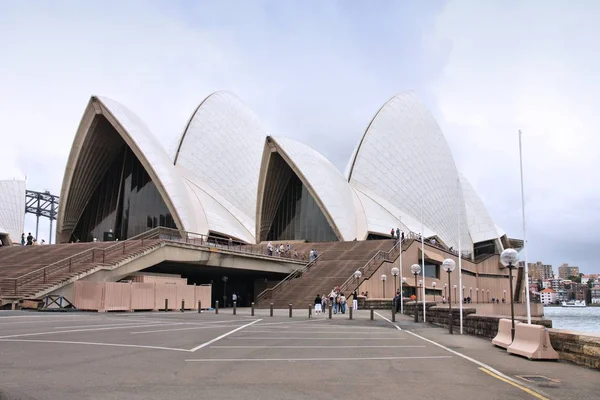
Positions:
{"x": 186, "y": 355}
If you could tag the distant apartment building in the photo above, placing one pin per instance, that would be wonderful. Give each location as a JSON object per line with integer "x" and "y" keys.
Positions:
{"x": 548, "y": 296}
{"x": 565, "y": 271}
{"x": 580, "y": 291}
{"x": 540, "y": 271}
{"x": 595, "y": 294}
{"x": 590, "y": 278}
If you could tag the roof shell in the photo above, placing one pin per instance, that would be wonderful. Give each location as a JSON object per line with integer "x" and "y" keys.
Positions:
{"x": 481, "y": 225}
{"x": 12, "y": 208}
{"x": 222, "y": 147}
{"x": 144, "y": 145}
{"x": 404, "y": 159}
{"x": 327, "y": 184}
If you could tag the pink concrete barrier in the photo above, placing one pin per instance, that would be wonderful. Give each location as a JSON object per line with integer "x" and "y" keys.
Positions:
{"x": 204, "y": 294}
{"x": 504, "y": 338}
{"x": 143, "y": 296}
{"x": 187, "y": 294}
{"x": 166, "y": 292}
{"x": 533, "y": 342}
{"x": 88, "y": 295}
{"x": 117, "y": 296}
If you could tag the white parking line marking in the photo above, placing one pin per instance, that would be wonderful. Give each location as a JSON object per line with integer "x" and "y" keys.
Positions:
{"x": 223, "y": 336}
{"x": 279, "y": 332}
{"x": 312, "y": 347}
{"x": 186, "y": 329}
{"x": 318, "y": 359}
{"x": 76, "y": 330}
{"x": 100, "y": 325}
{"x": 35, "y": 322}
{"x": 313, "y": 338}
{"x": 474, "y": 361}
{"x": 292, "y": 322}
{"x": 381, "y": 316}
{"x": 94, "y": 344}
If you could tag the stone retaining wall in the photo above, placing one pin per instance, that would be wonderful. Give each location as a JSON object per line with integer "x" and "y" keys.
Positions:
{"x": 580, "y": 348}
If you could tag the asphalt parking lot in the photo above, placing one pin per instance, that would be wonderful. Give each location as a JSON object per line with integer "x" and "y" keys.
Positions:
{"x": 189, "y": 356}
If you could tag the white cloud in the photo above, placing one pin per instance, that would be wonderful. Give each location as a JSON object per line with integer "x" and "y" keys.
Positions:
{"x": 529, "y": 66}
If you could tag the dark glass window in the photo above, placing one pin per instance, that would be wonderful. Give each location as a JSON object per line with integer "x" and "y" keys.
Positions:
{"x": 125, "y": 200}
{"x": 487, "y": 247}
{"x": 297, "y": 215}
{"x": 432, "y": 271}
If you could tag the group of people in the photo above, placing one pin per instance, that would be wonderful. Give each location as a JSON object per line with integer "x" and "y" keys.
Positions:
{"x": 30, "y": 240}
{"x": 397, "y": 234}
{"x": 281, "y": 250}
{"x": 313, "y": 254}
{"x": 336, "y": 299}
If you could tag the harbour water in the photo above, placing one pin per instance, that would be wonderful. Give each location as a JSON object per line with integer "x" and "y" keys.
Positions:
{"x": 574, "y": 319}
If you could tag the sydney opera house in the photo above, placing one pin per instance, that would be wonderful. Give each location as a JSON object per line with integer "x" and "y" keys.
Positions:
{"x": 229, "y": 177}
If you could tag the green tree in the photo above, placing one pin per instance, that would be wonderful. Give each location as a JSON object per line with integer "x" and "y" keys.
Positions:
{"x": 574, "y": 278}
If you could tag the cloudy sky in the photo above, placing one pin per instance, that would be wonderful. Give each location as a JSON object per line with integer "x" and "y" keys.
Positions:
{"x": 318, "y": 71}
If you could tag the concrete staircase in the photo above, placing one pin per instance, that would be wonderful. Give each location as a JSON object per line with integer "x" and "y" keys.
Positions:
{"x": 337, "y": 262}
{"x": 28, "y": 271}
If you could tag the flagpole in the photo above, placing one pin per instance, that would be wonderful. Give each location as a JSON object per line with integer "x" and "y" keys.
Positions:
{"x": 460, "y": 285}
{"x": 423, "y": 263}
{"x": 524, "y": 233}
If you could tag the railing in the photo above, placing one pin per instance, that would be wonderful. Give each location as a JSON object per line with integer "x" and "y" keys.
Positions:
{"x": 465, "y": 255}
{"x": 268, "y": 293}
{"x": 87, "y": 256}
{"x": 372, "y": 265}
{"x": 99, "y": 255}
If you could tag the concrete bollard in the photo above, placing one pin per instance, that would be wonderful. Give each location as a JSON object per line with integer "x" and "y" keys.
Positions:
{"x": 252, "y": 309}
{"x": 350, "y": 313}
{"x": 235, "y": 308}
{"x": 271, "y": 309}
{"x": 199, "y": 306}
{"x": 309, "y": 310}
{"x": 372, "y": 316}
{"x": 393, "y": 314}
{"x": 166, "y": 304}
{"x": 182, "y": 305}
{"x": 330, "y": 310}
{"x": 290, "y": 307}
{"x": 217, "y": 307}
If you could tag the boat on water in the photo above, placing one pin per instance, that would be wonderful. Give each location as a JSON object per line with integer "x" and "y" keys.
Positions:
{"x": 573, "y": 303}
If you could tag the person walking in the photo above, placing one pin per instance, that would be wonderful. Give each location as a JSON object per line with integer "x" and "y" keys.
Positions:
{"x": 343, "y": 303}
{"x": 392, "y": 233}
{"x": 323, "y": 302}
{"x": 333, "y": 300}
{"x": 23, "y": 239}
{"x": 29, "y": 240}
{"x": 318, "y": 304}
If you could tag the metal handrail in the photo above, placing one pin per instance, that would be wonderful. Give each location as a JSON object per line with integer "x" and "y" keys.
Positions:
{"x": 297, "y": 272}
{"x": 161, "y": 233}
{"x": 58, "y": 265}
{"x": 380, "y": 255}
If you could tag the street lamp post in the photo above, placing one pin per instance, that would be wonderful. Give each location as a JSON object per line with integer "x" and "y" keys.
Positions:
{"x": 225, "y": 279}
{"x": 488, "y": 295}
{"x": 477, "y": 294}
{"x": 395, "y": 272}
{"x": 383, "y": 279}
{"x": 416, "y": 269}
{"x": 470, "y": 293}
{"x": 446, "y": 291}
{"x": 455, "y": 287}
{"x": 509, "y": 258}
{"x": 449, "y": 266}
{"x": 402, "y": 295}
{"x": 434, "y": 285}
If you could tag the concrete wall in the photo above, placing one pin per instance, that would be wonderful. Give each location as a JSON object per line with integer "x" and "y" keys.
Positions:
{"x": 489, "y": 287}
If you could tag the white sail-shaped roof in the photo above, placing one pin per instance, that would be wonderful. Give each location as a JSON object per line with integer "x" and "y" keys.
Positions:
{"x": 88, "y": 161}
{"x": 403, "y": 158}
{"x": 327, "y": 185}
{"x": 12, "y": 209}
{"x": 222, "y": 148}
{"x": 481, "y": 225}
